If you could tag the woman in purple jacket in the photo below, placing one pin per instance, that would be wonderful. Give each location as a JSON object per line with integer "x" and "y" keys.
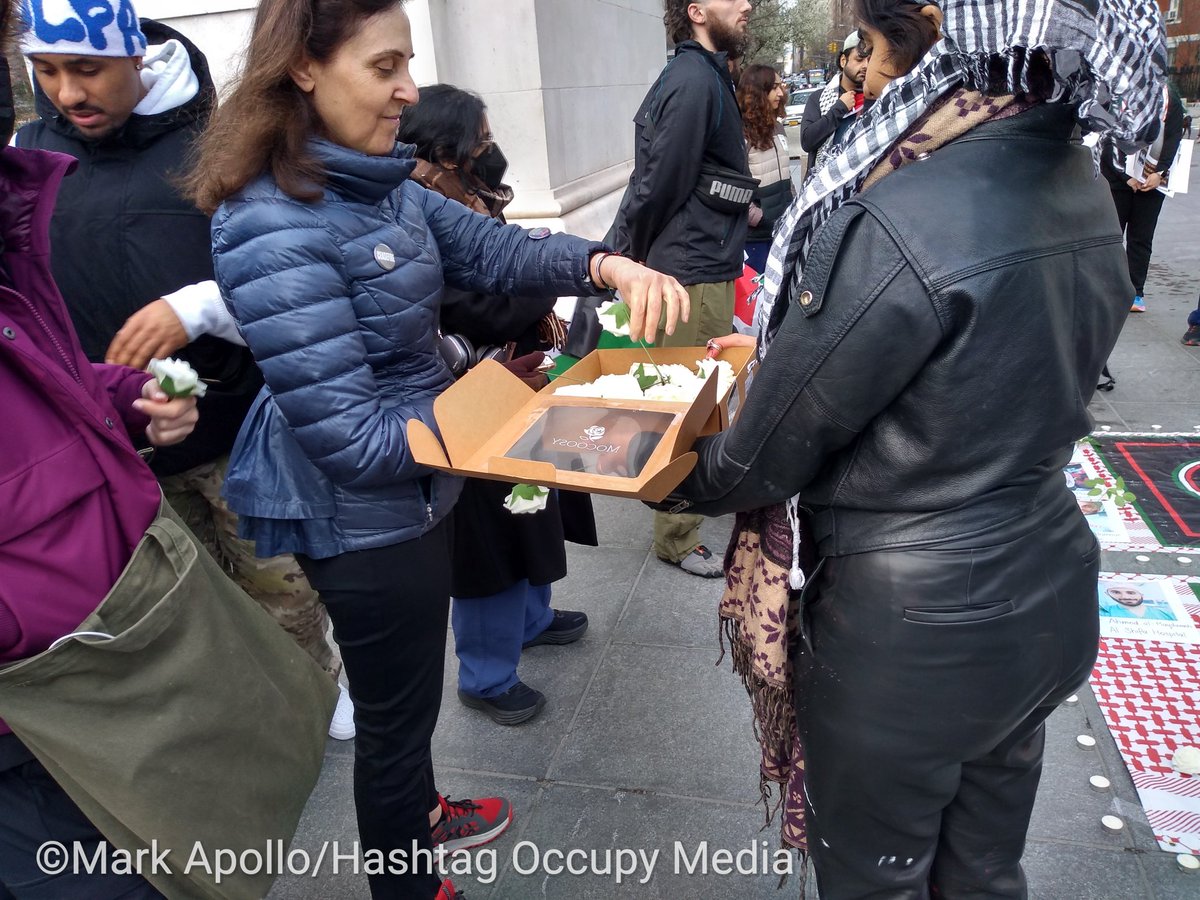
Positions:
{"x": 76, "y": 496}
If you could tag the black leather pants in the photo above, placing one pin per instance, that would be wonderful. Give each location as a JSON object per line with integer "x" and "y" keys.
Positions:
{"x": 923, "y": 700}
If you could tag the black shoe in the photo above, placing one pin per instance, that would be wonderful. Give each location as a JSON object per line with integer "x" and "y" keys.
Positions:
{"x": 518, "y": 704}
{"x": 565, "y": 628}
{"x": 1191, "y": 337}
{"x": 1107, "y": 382}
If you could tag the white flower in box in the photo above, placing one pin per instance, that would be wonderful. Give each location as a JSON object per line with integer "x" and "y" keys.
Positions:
{"x": 177, "y": 378}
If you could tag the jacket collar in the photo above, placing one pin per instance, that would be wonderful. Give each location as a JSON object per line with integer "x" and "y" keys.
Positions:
{"x": 718, "y": 60}
{"x": 359, "y": 177}
{"x": 1049, "y": 121}
{"x": 141, "y": 130}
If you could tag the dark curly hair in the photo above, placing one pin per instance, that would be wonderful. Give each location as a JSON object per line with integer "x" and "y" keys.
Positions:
{"x": 909, "y": 33}
{"x": 675, "y": 17}
{"x": 754, "y": 100}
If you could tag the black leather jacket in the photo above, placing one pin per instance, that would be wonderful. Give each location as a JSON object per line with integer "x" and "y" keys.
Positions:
{"x": 936, "y": 362}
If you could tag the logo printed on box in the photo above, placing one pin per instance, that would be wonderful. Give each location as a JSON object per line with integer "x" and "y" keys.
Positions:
{"x": 593, "y": 433}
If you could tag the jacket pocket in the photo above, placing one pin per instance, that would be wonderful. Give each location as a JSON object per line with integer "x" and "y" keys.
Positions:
{"x": 958, "y": 615}
{"x": 36, "y": 493}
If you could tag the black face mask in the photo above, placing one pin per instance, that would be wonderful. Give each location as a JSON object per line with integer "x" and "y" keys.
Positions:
{"x": 490, "y": 166}
{"x": 8, "y": 115}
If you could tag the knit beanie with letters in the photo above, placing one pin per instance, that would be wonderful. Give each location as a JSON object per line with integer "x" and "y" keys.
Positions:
{"x": 81, "y": 28}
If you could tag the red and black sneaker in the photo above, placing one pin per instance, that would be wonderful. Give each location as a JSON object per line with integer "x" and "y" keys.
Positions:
{"x": 470, "y": 823}
{"x": 447, "y": 892}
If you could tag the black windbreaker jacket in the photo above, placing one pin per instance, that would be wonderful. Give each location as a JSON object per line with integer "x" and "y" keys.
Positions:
{"x": 688, "y": 119}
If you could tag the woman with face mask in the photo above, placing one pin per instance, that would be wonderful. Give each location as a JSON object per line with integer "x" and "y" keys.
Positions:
{"x": 334, "y": 262}
{"x": 502, "y": 564}
{"x": 938, "y": 304}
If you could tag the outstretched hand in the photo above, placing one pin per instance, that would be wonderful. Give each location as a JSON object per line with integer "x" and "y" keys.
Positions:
{"x": 153, "y": 332}
{"x": 646, "y": 293}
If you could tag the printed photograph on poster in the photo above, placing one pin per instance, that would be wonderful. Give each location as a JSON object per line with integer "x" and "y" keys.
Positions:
{"x": 1102, "y": 516}
{"x": 1143, "y": 611}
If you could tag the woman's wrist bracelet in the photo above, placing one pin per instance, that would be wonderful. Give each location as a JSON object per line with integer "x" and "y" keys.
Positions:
{"x": 600, "y": 281}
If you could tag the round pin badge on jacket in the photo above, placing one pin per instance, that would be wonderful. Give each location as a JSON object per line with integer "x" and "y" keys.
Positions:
{"x": 385, "y": 257}
{"x": 539, "y": 234}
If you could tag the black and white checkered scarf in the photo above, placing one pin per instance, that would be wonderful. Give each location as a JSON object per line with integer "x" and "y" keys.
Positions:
{"x": 1108, "y": 56}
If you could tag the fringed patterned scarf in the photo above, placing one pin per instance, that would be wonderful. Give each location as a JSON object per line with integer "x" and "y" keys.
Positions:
{"x": 1107, "y": 57}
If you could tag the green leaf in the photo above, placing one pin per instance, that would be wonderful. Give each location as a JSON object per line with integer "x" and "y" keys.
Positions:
{"x": 1096, "y": 492}
{"x": 645, "y": 382}
{"x": 620, "y": 313}
{"x": 525, "y": 491}
{"x": 167, "y": 383}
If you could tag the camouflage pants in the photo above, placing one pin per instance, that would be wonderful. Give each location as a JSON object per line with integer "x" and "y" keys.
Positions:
{"x": 276, "y": 584}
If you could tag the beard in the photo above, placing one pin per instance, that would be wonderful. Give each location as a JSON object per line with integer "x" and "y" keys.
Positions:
{"x": 728, "y": 40}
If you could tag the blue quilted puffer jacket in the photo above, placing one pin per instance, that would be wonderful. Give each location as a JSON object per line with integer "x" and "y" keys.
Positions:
{"x": 338, "y": 300}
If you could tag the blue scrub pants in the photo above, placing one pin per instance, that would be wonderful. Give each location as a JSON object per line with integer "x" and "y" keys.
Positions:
{"x": 489, "y": 632}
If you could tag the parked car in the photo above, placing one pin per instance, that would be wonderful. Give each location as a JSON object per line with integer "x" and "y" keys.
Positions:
{"x": 792, "y": 117}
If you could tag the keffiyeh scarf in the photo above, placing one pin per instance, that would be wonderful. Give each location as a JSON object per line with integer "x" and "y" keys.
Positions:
{"x": 1107, "y": 57}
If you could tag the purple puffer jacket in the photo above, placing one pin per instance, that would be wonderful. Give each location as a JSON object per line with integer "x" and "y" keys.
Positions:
{"x": 75, "y": 498}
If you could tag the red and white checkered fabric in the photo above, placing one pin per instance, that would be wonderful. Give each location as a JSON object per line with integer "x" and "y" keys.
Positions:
{"x": 1150, "y": 695}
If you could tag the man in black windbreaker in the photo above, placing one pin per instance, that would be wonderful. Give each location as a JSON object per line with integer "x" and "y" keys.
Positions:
{"x": 685, "y": 211}
{"x": 127, "y": 98}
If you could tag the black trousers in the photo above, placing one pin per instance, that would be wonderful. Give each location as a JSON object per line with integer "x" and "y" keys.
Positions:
{"x": 34, "y": 810}
{"x": 922, "y": 706}
{"x": 389, "y": 609}
{"x": 1138, "y": 213}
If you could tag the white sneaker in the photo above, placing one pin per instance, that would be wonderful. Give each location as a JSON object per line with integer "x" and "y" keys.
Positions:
{"x": 341, "y": 728}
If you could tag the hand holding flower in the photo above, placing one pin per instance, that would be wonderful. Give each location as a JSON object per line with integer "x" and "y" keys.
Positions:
{"x": 646, "y": 292}
{"x": 171, "y": 419}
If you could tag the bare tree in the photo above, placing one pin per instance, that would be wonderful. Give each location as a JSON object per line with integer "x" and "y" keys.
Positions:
{"x": 777, "y": 24}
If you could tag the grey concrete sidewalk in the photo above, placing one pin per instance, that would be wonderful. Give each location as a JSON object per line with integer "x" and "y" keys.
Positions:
{"x": 646, "y": 744}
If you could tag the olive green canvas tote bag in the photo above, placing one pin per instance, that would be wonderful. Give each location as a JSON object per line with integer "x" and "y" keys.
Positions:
{"x": 181, "y": 718}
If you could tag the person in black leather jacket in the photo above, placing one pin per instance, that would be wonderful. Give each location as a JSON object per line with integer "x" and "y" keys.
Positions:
{"x": 927, "y": 377}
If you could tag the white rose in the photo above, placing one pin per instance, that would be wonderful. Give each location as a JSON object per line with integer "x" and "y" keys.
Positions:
{"x": 614, "y": 317}
{"x": 1186, "y": 760}
{"x": 526, "y": 498}
{"x": 177, "y": 378}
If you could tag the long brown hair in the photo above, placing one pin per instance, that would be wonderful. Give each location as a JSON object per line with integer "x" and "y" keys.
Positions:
{"x": 267, "y": 120}
{"x": 758, "y": 112}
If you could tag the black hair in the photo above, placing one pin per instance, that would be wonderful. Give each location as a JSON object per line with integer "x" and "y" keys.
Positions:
{"x": 446, "y": 124}
{"x": 909, "y": 33}
{"x": 677, "y": 20}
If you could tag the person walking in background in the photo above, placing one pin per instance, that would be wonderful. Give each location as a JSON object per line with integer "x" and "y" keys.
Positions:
{"x": 133, "y": 260}
{"x": 333, "y": 261}
{"x": 830, "y": 112}
{"x": 762, "y": 97}
{"x": 1138, "y": 198}
{"x": 685, "y": 211}
{"x": 900, "y": 335}
{"x": 502, "y": 565}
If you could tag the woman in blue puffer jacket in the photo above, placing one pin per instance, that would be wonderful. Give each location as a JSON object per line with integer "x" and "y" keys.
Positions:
{"x": 333, "y": 262}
